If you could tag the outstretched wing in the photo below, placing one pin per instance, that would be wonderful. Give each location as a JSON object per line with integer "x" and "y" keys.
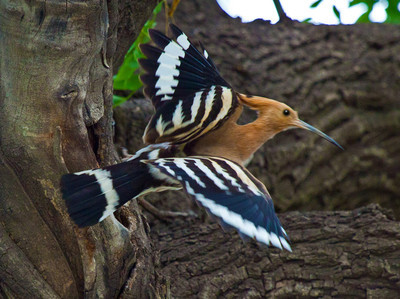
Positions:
{"x": 190, "y": 96}
{"x": 229, "y": 192}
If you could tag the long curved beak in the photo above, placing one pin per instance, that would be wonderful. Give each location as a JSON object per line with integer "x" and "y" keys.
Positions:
{"x": 304, "y": 125}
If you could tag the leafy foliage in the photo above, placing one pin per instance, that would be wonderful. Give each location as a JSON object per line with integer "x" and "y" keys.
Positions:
{"x": 392, "y": 10}
{"x": 337, "y": 13}
{"x": 316, "y": 3}
{"x": 127, "y": 77}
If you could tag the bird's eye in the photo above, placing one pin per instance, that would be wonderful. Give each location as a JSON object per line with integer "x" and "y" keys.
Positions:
{"x": 286, "y": 112}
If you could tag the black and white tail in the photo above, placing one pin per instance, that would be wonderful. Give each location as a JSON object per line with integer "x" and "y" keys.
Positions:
{"x": 92, "y": 195}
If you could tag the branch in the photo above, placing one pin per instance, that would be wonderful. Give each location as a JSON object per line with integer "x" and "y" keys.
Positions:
{"x": 282, "y": 15}
{"x": 334, "y": 254}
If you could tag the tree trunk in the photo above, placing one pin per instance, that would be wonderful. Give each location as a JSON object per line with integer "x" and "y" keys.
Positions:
{"x": 56, "y": 66}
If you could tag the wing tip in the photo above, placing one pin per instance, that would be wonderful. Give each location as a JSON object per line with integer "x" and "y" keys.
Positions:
{"x": 285, "y": 244}
{"x": 175, "y": 30}
{"x": 153, "y": 32}
{"x": 151, "y": 52}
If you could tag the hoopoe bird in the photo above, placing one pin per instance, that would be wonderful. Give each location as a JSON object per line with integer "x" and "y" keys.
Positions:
{"x": 193, "y": 143}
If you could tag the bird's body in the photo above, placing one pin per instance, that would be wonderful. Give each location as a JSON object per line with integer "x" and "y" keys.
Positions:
{"x": 194, "y": 143}
{"x": 239, "y": 142}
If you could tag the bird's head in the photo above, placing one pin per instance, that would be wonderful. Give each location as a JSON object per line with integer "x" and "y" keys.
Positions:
{"x": 279, "y": 116}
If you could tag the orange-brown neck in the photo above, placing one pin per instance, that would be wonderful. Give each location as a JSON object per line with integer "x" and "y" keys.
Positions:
{"x": 238, "y": 142}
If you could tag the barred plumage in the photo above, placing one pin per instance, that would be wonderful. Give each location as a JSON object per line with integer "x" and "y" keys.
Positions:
{"x": 190, "y": 96}
{"x": 229, "y": 192}
{"x": 92, "y": 195}
{"x": 196, "y": 114}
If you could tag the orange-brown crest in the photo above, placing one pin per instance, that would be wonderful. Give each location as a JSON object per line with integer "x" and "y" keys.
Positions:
{"x": 276, "y": 114}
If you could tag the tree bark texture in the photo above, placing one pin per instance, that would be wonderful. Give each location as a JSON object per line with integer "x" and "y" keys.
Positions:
{"x": 342, "y": 254}
{"x": 56, "y": 67}
{"x": 341, "y": 79}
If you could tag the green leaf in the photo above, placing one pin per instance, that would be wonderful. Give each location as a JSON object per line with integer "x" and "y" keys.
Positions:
{"x": 368, "y": 3}
{"x": 127, "y": 77}
{"x": 308, "y": 20}
{"x": 133, "y": 83}
{"x": 316, "y": 3}
{"x": 118, "y": 100}
{"x": 356, "y": 2}
{"x": 393, "y": 14}
{"x": 337, "y": 13}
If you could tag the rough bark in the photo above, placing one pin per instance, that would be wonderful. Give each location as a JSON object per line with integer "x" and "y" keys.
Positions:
{"x": 56, "y": 66}
{"x": 343, "y": 254}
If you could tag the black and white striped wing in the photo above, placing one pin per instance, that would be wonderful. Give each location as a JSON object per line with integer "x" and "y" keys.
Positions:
{"x": 190, "y": 96}
{"x": 229, "y": 192}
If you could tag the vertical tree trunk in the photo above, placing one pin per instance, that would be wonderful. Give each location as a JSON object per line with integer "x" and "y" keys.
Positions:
{"x": 56, "y": 67}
